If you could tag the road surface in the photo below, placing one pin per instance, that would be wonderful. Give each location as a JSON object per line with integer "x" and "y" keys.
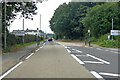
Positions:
{"x": 103, "y": 61}
{"x": 49, "y": 61}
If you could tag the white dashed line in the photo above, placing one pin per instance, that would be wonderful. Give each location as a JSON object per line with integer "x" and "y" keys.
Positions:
{"x": 94, "y": 62}
{"x": 29, "y": 56}
{"x": 97, "y": 75}
{"x": 68, "y": 50}
{"x": 109, "y": 74}
{"x": 77, "y": 59}
{"x": 5, "y": 74}
{"x": 106, "y": 62}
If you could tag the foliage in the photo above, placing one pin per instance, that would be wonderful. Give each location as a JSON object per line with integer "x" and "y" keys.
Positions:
{"x": 67, "y": 20}
{"x": 99, "y": 19}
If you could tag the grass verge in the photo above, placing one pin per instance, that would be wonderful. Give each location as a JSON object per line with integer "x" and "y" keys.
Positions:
{"x": 17, "y": 47}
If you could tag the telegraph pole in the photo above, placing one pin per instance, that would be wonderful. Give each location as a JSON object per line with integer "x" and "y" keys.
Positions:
{"x": 112, "y": 27}
{"x": 5, "y": 26}
{"x": 23, "y": 30}
{"x": 40, "y": 21}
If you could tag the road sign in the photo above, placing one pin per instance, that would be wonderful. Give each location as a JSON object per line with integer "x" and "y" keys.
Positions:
{"x": 115, "y": 32}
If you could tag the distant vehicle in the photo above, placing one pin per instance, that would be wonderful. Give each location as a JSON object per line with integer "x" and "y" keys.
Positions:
{"x": 50, "y": 39}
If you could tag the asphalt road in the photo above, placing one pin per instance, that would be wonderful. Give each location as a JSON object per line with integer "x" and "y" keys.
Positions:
{"x": 104, "y": 61}
{"x": 49, "y": 61}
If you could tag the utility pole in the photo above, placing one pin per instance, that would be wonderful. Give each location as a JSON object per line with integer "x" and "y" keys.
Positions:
{"x": 112, "y": 27}
{"x": 23, "y": 30}
{"x": 40, "y": 21}
{"x": 5, "y": 26}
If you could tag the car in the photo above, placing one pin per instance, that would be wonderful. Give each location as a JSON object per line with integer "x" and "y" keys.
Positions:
{"x": 50, "y": 39}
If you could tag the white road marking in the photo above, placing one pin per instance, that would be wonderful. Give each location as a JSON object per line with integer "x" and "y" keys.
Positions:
{"x": 29, "y": 56}
{"x": 106, "y": 62}
{"x": 82, "y": 55}
{"x": 79, "y": 51}
{"x": 93, "y": 62}
{"x": 115, "y": 52}
{"x": 109, "y": 74}
{"x": 77, "y": 59}
{"x": 66, "y": 47}
{"x": 98, "y": 49}
{"x": 97, "y": 75}
{"x": 5, "y": 74}
{"x": 41, "y": 47}
{"x": 106, "y": 50}
{"x": 68, "y": 50}
{"x": 73, "y": 49}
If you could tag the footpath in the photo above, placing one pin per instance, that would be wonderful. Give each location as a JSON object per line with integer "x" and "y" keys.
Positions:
{"x": 12, "y": 58}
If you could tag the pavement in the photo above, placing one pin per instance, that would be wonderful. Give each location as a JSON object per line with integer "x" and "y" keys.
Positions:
{"x": 102, "y": 61}
{"x": 50, "y": 61}
{"x": 8, "y": 60}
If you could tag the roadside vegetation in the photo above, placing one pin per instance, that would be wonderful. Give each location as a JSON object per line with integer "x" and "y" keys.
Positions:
{"x": 73, "y": 20}
{"x": 15, "y": 43}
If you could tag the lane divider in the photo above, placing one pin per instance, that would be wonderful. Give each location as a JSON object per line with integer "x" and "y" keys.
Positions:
{"x": 77, "y": 59}
{"x": 10, "y": 70}
{"x": 95, "y": 62}
{"x": 68, "y": 50}
{"x": 106, "y": 62}
{"x": 97, "y": 75}
{"x": 5, "y": 74}
{"x": 109, "y": 74}
{"x": 29, "y": 56}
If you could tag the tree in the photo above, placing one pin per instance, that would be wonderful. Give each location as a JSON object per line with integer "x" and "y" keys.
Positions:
{"x": 27, "y": 9}
{"x": 67, "y": 20}
{"x": 99, "y": 19}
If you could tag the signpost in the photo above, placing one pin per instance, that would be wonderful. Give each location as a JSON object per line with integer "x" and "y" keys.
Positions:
{"x": 115, "y": 32}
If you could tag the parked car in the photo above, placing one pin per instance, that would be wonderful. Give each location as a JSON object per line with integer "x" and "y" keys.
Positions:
{"x": 50, "y": 39}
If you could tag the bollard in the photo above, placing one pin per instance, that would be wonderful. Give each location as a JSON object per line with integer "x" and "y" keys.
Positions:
{"x": 89, "y": 42}
{"x": 85, "y": 42}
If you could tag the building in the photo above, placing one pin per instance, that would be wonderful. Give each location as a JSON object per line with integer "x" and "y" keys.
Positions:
{"x": 27, "y": 31}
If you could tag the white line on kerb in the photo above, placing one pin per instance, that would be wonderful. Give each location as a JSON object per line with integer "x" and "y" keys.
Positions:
{"x": 94, "y": 62}
{"x": 5, "y": 74}
{"x": 109, "y": 74}
{"x": 97, "y": 75}
{"x": 106, "y": 62}
{"x": 29, "y": 56}
{"x": 77, "y": 59}
{"x": 68, "y": 50}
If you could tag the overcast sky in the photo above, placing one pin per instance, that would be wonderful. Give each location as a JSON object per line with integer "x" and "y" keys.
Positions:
{"x": 46, "y": 9}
